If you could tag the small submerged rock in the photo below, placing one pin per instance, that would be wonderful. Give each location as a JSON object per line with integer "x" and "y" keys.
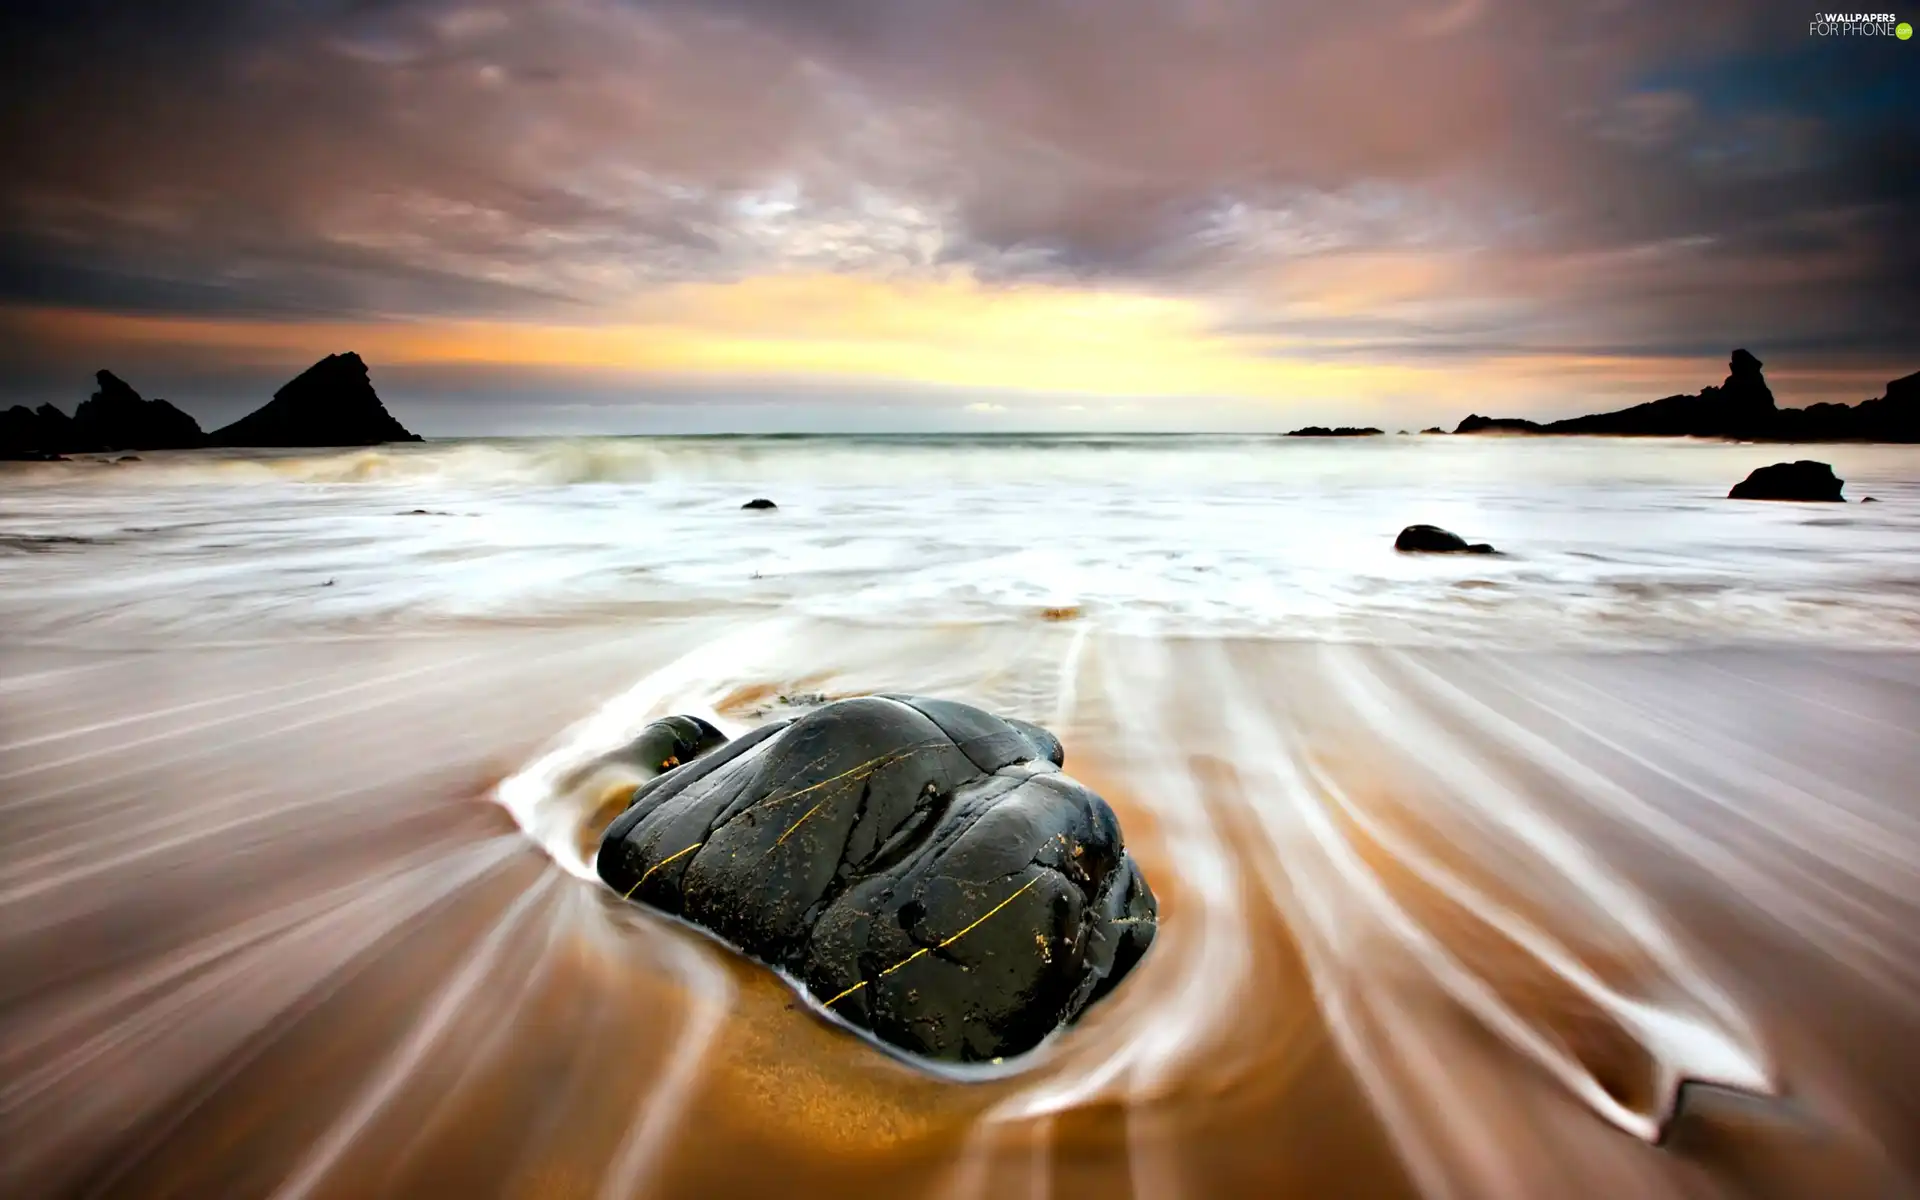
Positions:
{"x": 789, "y": 701}
{"x": 923, "y": 868}
{"x": 670, "y": 742}
{"x": 1803, "y": 480}
{"x": 1431, "y": 539}
{"x": 802, "y": 699}
{"x": 760, "y": 503}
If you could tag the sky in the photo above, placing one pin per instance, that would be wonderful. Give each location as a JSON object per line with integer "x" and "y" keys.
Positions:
{"x": 562, "y": 216}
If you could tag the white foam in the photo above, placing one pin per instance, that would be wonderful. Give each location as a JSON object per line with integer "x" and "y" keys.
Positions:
{"x": 552, "y": 814}
{"x": 1608, "y": 543}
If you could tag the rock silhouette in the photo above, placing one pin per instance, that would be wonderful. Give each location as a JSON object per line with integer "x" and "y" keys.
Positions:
{"x": 117, "y": 418}
{"x": 37, "y": 434}
{"x": 1803, "y": 480}
{"x": 331, "y": 403}
{"x": 1431, "y": 539}
{"x": 1340, "y": 431}
{"x": 923, "y": 868}
{"x": 1895, "y": 417}
{"x": 760, "y": 503}
{"x": 1475, "y": 423}
{"x": 1741, "y": 407}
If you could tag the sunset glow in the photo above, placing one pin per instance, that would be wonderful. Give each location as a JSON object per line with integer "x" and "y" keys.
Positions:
{"x": 1391, "y": 213}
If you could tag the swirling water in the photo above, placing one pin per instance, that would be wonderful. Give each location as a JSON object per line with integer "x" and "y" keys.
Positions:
{"x": 1466, "y": 865}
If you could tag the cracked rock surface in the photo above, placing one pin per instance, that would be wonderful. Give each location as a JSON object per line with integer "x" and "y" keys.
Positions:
{"x": 924, "y": 868}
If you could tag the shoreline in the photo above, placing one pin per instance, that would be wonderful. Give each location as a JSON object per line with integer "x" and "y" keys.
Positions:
{"x": 537, "y": 1035}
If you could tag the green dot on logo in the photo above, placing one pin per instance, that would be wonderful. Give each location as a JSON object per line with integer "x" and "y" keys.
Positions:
{"x": 1903, "y": 31}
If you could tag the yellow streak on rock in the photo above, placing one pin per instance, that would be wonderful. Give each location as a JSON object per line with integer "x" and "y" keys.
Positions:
{"x": 655, "y": 867}
{"x": 941, "y": 946}
{"x": 858, "y": 771}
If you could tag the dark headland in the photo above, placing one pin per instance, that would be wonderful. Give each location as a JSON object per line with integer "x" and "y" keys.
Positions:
{"x": 331, "y": 403}
{"x": 1341, "y": 431}
{"x": 1741, "y": 408}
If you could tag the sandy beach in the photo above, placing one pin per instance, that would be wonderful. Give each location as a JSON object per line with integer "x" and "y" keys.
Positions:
{"x": 1434, "y": 922}
{"x": 966, "y": 599}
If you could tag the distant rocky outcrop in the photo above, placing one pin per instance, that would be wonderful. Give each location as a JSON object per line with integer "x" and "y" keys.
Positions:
{"x": 1803, "y": 480}
{"x": 1475, "y": 423}
{"x": 1433, "y": 429}
{"x": 759, "y": 504}
{"x": 1742, "y": 407}
{"x": 1894, "y": 417}
{"x": 1342, "y": 431}
{"x": 37, "y": 434}
{"x": 331, "y": 403}
{"x": 1431, "y": 539}
{"x": 117, "y": 418}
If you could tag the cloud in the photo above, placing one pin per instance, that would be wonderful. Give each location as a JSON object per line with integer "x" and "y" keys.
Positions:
{"x": 1401, "y": 183}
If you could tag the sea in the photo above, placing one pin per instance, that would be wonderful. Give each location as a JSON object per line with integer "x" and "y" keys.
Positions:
{"x": 1604, "y": 542}
{"x": 1590, "y": 868}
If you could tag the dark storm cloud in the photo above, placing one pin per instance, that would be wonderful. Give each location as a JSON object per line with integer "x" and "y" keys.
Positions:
{"x": 1600, "y": 177}
{"x": 409, "y": 147}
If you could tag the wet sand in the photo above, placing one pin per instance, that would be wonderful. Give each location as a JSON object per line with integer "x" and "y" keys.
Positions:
{"x": 1436, "y": 923}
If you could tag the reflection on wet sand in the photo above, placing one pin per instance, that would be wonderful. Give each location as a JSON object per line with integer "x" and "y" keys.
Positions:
{"x": 317, "y": 919}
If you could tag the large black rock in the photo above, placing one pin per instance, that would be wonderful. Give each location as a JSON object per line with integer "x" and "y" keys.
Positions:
{"x": 1803, "y": 480}
{"x": 923, "y": 868}
{"x": 331, "y": 403}
{"x": 117, "y": 418}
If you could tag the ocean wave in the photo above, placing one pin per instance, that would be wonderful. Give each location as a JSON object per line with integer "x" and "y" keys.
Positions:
{"x": 1208, "y": 536}
{"x": 901, "y": 459}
